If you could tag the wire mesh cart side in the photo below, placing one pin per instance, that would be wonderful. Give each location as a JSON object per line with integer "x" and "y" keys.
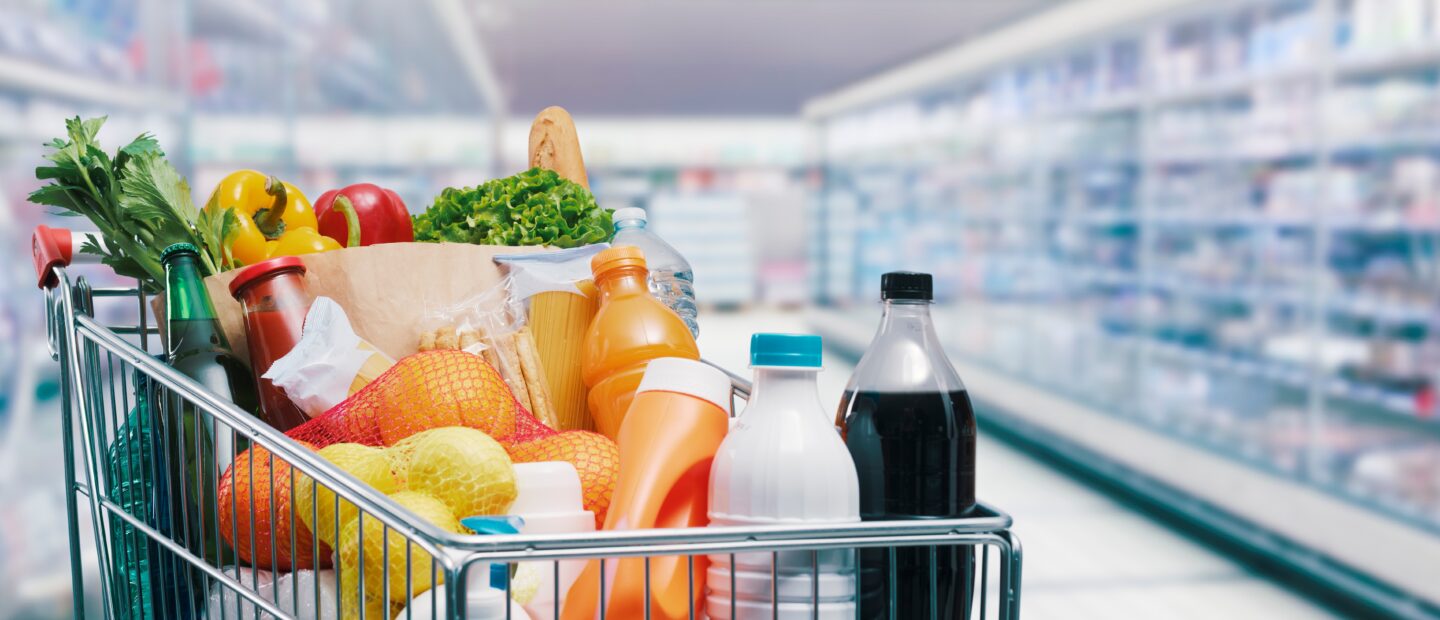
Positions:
{"x": 200, "y": 510}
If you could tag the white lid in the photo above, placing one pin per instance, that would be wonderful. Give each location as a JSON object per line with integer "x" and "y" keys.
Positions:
{"x": 628, "y": 213}
{"x": 546, "y": 488}
{"x": 685, "y": 376}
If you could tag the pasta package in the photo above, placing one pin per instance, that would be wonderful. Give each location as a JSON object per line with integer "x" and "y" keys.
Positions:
{"x": 330, "y": 362}
{"x": 562, "y": 300}
{"x": 558, "y": 322}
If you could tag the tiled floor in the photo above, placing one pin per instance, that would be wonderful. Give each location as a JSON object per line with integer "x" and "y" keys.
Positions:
{"x": 1086, "y": 556}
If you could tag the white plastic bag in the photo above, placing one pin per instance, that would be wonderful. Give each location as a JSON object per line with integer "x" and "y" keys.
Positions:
{"x": 226, "y": 604}
{"x": 330, "y": 362}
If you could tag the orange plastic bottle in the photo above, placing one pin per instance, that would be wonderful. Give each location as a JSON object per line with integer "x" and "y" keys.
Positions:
{"x": 630, "y": 329}
{"x": 677, "y": 421}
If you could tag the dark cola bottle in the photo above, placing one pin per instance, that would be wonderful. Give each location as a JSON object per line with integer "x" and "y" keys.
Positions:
{"x": 908, "y": 423}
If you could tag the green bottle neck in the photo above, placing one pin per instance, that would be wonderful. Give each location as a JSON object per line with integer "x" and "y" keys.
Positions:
{"x": 187, "y": 300}
{"x": 185, "y": 296}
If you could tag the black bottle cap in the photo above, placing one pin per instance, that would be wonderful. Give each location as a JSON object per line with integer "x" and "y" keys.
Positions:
{"x": 907, "y": 285}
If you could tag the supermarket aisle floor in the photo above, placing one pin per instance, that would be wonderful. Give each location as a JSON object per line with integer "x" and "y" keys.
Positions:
{"x": 1086, "y": 555}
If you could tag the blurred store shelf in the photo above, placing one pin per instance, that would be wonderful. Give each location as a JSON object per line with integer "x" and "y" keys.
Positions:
{"x": 39, "y": 79}
{"x": 1215, "y": 223}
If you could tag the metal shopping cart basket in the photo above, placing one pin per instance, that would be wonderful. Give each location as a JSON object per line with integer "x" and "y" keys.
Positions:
{"x": 151, "y": 565}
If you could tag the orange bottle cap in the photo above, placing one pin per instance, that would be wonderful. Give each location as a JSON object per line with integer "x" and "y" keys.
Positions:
{"x": 616, "y": 258}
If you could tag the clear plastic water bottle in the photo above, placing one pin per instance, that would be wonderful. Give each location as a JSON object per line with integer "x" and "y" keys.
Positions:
{"x": 671, "y": 279}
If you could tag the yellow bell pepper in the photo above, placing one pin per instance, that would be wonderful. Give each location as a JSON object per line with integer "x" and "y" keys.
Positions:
{"x": 273, "y": 218}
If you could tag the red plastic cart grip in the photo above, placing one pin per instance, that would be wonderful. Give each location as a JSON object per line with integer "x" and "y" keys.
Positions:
{"x": 51, "y": 248}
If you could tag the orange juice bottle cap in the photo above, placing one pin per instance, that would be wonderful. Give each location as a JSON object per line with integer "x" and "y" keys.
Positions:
{"x": 617, "y": 257}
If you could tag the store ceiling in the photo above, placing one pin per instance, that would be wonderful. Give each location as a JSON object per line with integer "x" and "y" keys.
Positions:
{"x": 712, "y": 57}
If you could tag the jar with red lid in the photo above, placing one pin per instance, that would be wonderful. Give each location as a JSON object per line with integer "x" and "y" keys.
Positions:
{"x": 275, "y": 301}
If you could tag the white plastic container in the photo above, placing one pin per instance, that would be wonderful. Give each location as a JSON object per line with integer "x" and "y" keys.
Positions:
{"x": 549, "y": 501}
{"x": 783, "y": 463}
{"x": 485, "y": 603}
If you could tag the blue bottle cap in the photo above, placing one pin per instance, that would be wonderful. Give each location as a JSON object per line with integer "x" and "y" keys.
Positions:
{"x": 791, "y": 350}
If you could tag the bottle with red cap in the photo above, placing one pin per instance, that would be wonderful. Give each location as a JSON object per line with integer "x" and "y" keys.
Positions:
{"x": 275, "y": 301}
{"x": 630, "y": 329}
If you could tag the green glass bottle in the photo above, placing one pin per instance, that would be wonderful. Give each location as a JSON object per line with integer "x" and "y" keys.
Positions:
{"x": 133, "y": 465}
{"x": 198, "y": 447}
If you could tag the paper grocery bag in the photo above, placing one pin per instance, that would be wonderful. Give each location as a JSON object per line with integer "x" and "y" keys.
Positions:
{"x": 387, "y": 290}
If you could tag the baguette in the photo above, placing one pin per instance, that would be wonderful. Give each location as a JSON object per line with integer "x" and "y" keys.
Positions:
{"x": 542, "y": 406}
{"x": 510, "y": 369}
{"x": 555, "y": 145}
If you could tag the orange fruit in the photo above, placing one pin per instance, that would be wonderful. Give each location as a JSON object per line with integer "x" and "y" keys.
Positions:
{"x": 249, "y": 491}
{"x": 435, "y": 389}
{"x": 595, "y": 457}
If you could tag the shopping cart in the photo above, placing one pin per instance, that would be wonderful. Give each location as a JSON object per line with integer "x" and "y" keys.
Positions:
{"x": 156, "y": 562}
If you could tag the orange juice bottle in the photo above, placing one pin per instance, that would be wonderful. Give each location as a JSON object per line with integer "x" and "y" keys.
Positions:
{"x": 630, "y": 329}
{"x": 676, "y": 422}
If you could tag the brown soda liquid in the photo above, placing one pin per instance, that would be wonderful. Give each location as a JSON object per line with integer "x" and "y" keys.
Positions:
{"x": 915, "y": 455}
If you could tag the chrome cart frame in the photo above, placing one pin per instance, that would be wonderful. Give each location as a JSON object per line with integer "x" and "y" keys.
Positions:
{"x": 152, "y": 566}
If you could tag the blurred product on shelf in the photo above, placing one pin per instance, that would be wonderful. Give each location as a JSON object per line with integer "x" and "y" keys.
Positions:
{"x": 671, "y": 279}
{"x": 783, "y": 463}
{"x": 630, "y": 329}
{"x": 907, "y": 420}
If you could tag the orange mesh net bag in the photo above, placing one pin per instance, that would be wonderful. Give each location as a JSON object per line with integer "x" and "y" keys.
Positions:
{"x": 424, "y": 391}
{"x": 436, "y": 389}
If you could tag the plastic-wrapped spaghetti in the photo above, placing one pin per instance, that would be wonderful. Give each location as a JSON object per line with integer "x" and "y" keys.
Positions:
{"x": 562, "y": 300}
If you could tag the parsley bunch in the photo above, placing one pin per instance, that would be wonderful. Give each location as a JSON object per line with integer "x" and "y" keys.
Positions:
{"x": 137, "y": 200}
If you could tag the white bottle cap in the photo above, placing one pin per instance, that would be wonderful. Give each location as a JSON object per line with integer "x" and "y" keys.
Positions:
{"x": 628, "y": 213}
{"x": 545, "y": 488}
{"x": 684, "y": 376}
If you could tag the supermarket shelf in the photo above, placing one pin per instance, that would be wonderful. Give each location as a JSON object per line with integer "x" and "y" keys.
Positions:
{"x": 1310, "y": 529}
{"x": 31, "y": 77}
{"x": 1069, "y": 21}
{"x": 1392, "y": 405}
{"x": 1343, "y": 224}
{"x": 1361, "y": 306}
{"x": 1417, "y": 57}
{"x": 1232, "y": 86}
{"x": 245, "y": 19}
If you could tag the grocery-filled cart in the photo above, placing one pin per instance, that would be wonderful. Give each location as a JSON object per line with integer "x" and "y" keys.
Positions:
{"x": 159, "y": 562}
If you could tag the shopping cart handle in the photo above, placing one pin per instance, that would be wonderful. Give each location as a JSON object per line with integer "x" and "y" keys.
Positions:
{"x": 56, "y": 247}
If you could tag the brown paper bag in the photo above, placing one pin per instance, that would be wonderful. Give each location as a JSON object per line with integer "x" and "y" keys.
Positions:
{"x": 387, "y": 290}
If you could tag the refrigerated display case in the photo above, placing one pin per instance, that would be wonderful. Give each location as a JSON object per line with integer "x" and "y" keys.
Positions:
{"x": 1216, "y": 223}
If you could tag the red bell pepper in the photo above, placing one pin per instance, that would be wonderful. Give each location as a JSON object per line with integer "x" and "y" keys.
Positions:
{"x": 378, "y": 213}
